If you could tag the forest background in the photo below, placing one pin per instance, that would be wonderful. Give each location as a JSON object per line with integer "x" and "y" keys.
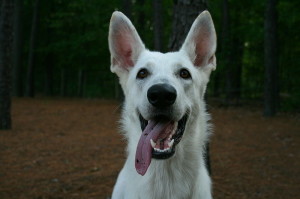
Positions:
{"x": 60, "y": 47}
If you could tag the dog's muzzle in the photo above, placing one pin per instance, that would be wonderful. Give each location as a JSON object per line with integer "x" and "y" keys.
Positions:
{"x": 160, "y": 135}
{"x": 162, "y": 131}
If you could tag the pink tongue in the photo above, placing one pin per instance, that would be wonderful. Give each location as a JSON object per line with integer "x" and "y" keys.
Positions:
{"x": 144, "y": 149}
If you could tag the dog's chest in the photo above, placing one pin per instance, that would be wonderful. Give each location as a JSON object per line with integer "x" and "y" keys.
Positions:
{"x": 168, "y": 182}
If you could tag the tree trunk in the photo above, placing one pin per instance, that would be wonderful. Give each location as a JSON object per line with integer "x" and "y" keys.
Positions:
{"x": 236, "y": 69}
{"x": 30, "y": 72}
{"x": 141, "y": 17}
{"x": 81, "y": 83}
{"x": 232, "y": 52}
{"x": 18, "y": 49}
{"x": 49, "y": 63}
{"x": 6, "y": 23}
{"x": 158, "y": 25}
{"x": 235, "y": 94}
{"x": 226, "y": 49}
{"x": 271, "y": 94}
{"x": 63, "y": 83}
{"x": 184, "y": 14}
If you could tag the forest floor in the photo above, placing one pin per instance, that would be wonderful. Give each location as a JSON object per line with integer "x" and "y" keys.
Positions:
{"x": 70, "y": 148}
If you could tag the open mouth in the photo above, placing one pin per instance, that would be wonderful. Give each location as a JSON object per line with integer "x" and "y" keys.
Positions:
{"x": 158, "y": 140}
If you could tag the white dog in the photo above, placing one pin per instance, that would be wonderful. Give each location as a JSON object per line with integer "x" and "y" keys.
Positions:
{"x": 164, "y": 117}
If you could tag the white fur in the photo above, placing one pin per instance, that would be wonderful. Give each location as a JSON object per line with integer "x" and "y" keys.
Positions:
{"x": 183, "y": 176}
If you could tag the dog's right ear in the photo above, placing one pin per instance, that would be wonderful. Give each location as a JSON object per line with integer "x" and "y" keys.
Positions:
{"x": 125, "y": 44}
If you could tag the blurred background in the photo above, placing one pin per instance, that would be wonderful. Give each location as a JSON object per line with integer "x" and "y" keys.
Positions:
{"x": 61, "y": 49}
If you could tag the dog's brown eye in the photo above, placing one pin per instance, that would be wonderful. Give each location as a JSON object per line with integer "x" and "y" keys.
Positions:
{"x": 143, "y": 73}
{"x": 185, "y": 74}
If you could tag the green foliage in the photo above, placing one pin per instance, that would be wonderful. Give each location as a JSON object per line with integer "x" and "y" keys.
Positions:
{"x": 73, "y": 36}
{"x": 247, "y": 22}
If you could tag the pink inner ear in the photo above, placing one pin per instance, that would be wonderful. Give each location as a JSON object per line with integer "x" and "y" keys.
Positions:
{"x": 201, "y": 49}
{"x": 124, "y": 50}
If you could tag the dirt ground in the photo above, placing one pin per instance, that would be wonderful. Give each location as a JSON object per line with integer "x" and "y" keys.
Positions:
{"x": 70, "y": 148}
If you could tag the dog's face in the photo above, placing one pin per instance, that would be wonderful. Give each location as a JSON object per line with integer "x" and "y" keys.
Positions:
{"x": 161, "y": 89}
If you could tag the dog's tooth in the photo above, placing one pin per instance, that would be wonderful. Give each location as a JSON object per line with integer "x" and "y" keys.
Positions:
{"x": 174, "y": 129}
{"x": 166, "y": 150}
{"x": 170, "y": 144}
{"x": 153, "y": 144}
{"x": 175, "y": 126}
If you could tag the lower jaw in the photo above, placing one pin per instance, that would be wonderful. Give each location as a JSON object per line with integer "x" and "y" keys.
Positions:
{"x": 163, "y": 156}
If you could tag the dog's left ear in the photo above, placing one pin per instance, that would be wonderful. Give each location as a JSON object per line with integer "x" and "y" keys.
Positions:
{"x": 125, "y": 44}
{"x": 201, "y": 41}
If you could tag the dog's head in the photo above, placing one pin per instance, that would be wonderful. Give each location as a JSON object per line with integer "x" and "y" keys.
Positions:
{"x": 161, "y": 88}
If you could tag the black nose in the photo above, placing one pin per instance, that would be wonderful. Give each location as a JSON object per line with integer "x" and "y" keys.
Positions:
{"x": 161, "y": 95}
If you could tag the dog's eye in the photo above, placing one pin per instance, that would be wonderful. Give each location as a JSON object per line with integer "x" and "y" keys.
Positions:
{"x": 185, "y": 74}
{"x": 143, "y": 73}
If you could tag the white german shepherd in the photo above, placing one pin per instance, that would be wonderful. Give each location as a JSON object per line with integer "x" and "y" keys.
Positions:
{"x": 164, "y": 117}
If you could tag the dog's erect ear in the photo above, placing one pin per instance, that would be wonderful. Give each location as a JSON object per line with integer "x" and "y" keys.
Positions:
{"x": 200, "y": 43}
{"x": 125, "y": 44}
